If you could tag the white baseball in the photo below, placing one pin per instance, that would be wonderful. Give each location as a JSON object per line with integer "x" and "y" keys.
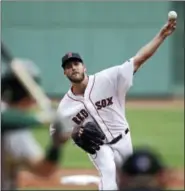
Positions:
{"x": 172, "y": 15}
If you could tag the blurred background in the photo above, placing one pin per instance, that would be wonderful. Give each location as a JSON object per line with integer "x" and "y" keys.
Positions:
{"x": 107, "y": 34}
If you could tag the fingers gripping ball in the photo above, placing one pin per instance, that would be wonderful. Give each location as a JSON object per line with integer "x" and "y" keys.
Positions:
{"x": 89, "y": 137}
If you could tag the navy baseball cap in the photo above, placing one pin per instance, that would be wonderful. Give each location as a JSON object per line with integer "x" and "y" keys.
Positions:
{"x": 142, "y": 162}
{"x": 69, "y": 57}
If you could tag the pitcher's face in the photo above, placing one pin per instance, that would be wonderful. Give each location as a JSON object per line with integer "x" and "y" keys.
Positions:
{"x": 75, "y": 71}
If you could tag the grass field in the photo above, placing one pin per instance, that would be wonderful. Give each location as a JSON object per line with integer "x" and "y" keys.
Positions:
{"x": 163, "y": 129}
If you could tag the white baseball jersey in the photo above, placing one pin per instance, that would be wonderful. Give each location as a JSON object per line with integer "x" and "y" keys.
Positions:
{"x": 103, "y": 101}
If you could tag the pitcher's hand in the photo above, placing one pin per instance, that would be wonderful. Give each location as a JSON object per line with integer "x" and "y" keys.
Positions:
{"x": 168, "y": 28}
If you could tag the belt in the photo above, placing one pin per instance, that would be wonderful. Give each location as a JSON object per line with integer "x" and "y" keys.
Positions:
{"x": 116, "y": 139}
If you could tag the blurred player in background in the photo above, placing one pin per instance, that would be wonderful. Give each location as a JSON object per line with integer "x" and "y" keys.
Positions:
{"x": 142, "y": 171}
{"x": 19, "y": 148}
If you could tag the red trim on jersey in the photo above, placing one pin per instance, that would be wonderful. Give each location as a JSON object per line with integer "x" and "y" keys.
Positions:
{"x": 96, "y": 109}
{"x": 93, "y": 106}
{"x": 87, "y": 110}
{"x": 73, "y": 98}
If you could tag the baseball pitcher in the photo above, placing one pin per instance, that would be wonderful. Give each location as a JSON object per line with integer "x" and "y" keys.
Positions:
{"x": 95, "y": 107}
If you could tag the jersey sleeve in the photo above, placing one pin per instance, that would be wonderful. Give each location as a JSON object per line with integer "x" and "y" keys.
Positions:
{"x": 64, "y": 122}
{"x": 120, "y": 77}
{"x": 125, "y": 76}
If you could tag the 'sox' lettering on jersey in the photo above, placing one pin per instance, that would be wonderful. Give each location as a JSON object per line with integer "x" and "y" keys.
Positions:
{"x": 104, "y": 103}
{"x": 79, "y": 118}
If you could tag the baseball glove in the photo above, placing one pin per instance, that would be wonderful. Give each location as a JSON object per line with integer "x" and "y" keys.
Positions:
{"x": 89, "y": 137}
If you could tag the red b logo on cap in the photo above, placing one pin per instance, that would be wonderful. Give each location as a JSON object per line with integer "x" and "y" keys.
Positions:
{"x": 69, "y": 54}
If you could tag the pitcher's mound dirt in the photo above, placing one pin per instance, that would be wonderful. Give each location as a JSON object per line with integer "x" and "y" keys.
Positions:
{"x": 27, "y": 180}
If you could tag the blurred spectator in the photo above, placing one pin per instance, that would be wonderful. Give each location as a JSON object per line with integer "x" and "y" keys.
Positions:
{"x": 19, "y": 149}
{"x": 142, "y": 171}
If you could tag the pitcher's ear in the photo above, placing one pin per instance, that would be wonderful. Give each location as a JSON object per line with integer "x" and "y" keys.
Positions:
{"x": 85, "y": 69}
